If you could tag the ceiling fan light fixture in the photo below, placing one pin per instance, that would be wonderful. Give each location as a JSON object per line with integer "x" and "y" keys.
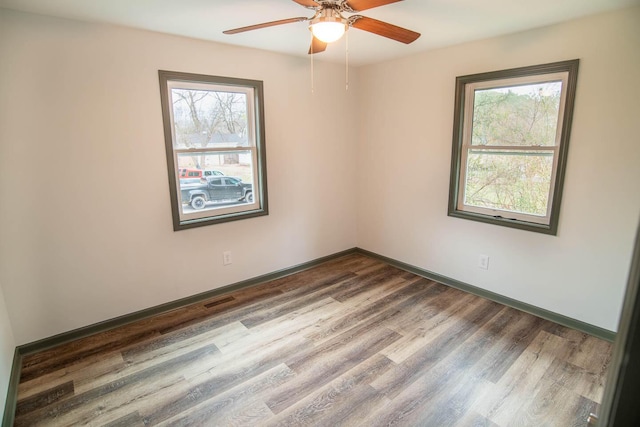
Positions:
{"x": 329, "y": 26}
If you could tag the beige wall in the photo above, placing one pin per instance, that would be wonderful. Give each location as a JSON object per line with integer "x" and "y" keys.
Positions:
{"x": 85, "y": 215}
{"x": 406, "y": 109}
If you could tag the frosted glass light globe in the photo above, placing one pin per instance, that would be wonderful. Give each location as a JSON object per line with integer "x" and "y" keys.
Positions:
{"x": 328, "y": 30}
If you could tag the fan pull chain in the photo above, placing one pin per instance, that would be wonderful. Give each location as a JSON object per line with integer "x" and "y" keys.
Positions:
{"x": 312, "y": 81}
{"x": 347, "y": 60}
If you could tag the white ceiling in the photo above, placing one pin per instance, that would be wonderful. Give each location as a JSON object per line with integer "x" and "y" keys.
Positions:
{"x": 441, "y": 22}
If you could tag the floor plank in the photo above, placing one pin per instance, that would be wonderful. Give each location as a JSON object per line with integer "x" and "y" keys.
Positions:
{"x": 351, "y": 342}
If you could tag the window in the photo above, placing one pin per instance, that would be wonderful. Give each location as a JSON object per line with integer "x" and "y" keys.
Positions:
{"x": 510, "y": 140}
{"x": 214, "y": 127}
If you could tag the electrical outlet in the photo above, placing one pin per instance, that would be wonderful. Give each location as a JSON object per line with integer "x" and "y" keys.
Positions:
{"x": 226, "y": 258}
{"x": 483, "y": 262}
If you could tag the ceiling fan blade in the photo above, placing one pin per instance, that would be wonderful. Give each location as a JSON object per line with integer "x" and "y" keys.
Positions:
{"x": 307, "y": 3}
{"x": 358, "y": 5}
{"x": 317, "y": 46}
{"x": 265, "y": 25}
{"x": 384, "y": 29}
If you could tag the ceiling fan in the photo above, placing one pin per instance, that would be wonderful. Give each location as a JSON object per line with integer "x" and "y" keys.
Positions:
{"x": 328, "y": 24}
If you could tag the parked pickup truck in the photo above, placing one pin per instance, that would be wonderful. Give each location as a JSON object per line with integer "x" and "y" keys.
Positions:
{"x": 216, "y": 189}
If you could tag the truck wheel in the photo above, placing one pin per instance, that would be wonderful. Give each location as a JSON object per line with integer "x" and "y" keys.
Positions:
{"x": 198, "y": 202}
{"x": 249, "y": 197}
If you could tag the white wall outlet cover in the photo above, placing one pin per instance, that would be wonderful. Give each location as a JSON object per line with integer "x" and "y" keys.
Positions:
{"x": 483, "y": 262}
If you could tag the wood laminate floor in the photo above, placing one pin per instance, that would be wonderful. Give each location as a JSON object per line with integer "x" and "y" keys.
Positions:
{"x": 353, "y": 342}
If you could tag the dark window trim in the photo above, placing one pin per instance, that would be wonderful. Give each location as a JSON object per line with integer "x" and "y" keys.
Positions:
{"x": 261, "y": 179}
{"x": 458, "y": 121}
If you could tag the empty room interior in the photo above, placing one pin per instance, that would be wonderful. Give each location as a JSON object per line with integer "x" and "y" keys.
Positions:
{"x": 263, "y": 228}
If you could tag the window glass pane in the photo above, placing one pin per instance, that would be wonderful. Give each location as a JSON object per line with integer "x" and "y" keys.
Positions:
{"x": 516, "y": 115}
{"x": 236, "y": 164}
{"x": 209, "y": 119}
{"x": 514, "y": 181}
{"x": 211, "y": 191}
